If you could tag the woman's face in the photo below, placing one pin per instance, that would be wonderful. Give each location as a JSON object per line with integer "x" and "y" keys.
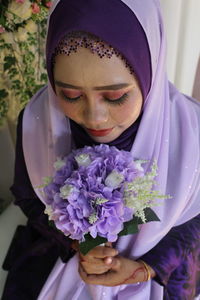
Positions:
{"x": 100, "y": 94}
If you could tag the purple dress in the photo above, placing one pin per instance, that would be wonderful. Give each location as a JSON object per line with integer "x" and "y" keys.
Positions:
{"x": 36, "y": 247}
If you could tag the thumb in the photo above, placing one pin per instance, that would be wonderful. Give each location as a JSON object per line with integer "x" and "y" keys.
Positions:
{"x": 113, "y": 262}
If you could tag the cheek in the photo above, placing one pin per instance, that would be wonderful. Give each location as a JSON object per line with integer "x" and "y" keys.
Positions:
{"x": 70, "y": 110}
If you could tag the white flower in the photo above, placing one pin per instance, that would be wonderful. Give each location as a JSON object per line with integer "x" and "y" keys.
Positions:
{"x": 139, "y": 194}
{"x": 99, "y": 200}
{"x": 8, "y": 37}
{"x": 21, "y": 10}
{"x": 83, "y": 160}
{"x": 31, "y": 26}
{"x": 21, "y": 34}
{"x": 114, "y": 179}
{"x": 65, "y": 191}
{"x": 138, "y": 164}
{"x": 93, "y": 218}
{"x": 59, "y": 164}
{"x": 49, "y": 211}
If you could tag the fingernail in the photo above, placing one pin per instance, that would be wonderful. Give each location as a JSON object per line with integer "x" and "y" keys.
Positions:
{"x": 115, "y": 253}
{"x": 109, "y": 260}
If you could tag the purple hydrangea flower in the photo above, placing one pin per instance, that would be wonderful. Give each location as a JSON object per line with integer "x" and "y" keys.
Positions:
{"x": 86, "y": 194}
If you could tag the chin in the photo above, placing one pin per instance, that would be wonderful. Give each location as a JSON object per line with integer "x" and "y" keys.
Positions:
{"x": 105, "y": 139}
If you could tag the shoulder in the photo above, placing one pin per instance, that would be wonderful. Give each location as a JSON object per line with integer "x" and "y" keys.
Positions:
{"x": 179, "y": 99}
{"x": 184, "y": 109}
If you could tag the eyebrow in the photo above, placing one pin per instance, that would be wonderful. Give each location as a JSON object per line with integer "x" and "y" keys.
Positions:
{"x": 97, "y": 88}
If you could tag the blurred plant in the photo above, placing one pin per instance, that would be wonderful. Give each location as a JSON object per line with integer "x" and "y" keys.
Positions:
{"x": 22, "y": 39}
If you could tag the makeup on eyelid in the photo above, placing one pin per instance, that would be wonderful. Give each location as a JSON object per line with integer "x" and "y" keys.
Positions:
{"x": 114, "y": 95}
{"x": 71, "y": 94}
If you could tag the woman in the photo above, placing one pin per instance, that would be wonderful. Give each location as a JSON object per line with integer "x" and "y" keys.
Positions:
{"x": 106, "y": 68}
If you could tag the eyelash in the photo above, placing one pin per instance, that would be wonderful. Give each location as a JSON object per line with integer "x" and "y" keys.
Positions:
{"x": 119, "y": 101}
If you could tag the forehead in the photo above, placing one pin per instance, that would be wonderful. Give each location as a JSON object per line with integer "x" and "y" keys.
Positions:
{"x": 84, "y": 67}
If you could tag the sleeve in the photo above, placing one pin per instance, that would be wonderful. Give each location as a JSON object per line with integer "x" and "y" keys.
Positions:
{"x": 178, "y": 253}
{"x": 31, "y": 205}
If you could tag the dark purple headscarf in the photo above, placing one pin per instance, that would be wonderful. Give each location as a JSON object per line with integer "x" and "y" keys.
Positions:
{"x": 114, "y": 23}
{"x": 119, "y": 27}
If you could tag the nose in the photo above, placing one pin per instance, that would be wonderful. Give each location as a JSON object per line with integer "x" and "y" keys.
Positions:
{"x": 95, "y": 113}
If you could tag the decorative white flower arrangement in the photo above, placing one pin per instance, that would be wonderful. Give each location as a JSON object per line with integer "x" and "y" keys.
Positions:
{"x": 22, "y": 40}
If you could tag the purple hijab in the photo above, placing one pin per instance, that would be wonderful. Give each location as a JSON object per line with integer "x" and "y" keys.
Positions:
{"x": 75, "y": 16}
{"x": 169, "y": 131}
{"x": 98, "y": 17}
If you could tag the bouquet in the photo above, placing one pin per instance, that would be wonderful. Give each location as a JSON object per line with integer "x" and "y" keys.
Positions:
{"x": 100, "y": 193}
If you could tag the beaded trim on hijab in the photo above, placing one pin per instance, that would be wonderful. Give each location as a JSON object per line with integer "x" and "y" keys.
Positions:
{"x": 79, "y": 39}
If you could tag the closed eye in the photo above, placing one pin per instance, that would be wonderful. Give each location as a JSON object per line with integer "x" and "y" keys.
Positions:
{"x": 117, "y": 101}
{"x": 70, "y": 99}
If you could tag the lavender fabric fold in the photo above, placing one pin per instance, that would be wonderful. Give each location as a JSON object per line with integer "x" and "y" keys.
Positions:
{"x": 169, "y": 132}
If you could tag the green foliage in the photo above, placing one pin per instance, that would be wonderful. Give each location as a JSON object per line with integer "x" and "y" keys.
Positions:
{"x": 22, "y": 61}
{"x": 3, "y": 105}
{"x": 130, "y": 227}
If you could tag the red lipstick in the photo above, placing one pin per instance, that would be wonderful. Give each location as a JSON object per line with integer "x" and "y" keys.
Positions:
{"x": 99, "y": 132}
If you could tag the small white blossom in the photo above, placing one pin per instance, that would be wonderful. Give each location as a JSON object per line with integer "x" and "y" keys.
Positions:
{"x": 99, "y": 201}
{"x": 65, "y": 191}
{"x": 49, "y": 211}
{"x": 47, "y": 180}
{"x": 138, "y": 164}
{"x": 59, "y": 164}
{"x": 93, "y": 218}
{"x": 8, "y": 37}
{"x": 31, "y": 26}
{"x": 21, "y": 34}
{"x": 114, "y": 179}
{"x": 83, "y": 160}
{"x": 139, "y": 194}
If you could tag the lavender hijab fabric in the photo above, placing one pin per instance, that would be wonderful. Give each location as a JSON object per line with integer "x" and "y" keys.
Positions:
{"x": 169, "y": 131}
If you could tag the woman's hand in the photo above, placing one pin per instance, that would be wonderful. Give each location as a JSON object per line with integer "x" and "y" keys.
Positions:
{"x": 99, "y": 260}
{"x": 102, "y": 266}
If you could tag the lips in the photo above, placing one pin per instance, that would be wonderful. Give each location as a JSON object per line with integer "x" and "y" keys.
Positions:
{"x": 99, "y": 132}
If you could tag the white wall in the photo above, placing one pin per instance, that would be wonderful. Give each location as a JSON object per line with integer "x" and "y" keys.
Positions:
{"x": 182, "y": 23}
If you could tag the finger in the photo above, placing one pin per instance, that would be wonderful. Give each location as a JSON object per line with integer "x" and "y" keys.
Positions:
{"x": 89, "y": 279}
{"x": 102, "y": 279}
{"x": 115, "y": 265}
{"x": 108, "y": 260}
{"x": 82, "y": 273}
{"x": 94, "y": 269}
{"x": 112, "y": 262}
{"x": 91, "y": 259}
{"x": 102, "y": 252}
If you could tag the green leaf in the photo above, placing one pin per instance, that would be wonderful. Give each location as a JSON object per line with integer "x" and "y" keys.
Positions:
{"x": 90, "y": 243}
{"x": 130, "y": 227}
{"x": 9, "y": 61}
{"x": 43, "y": 77}
{"x": 150, "y": 216}
{"x": 52, "y": 224}
{"x": 3, "y": 93}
